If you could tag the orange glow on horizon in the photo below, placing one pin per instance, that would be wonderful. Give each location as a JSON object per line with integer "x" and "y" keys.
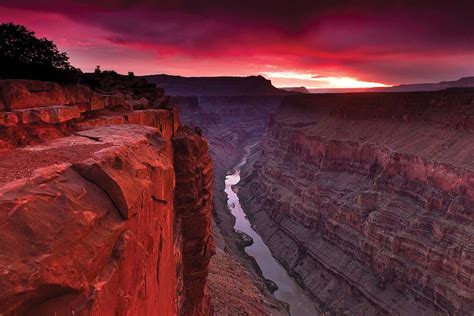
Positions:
{"x": 313, "y": 81}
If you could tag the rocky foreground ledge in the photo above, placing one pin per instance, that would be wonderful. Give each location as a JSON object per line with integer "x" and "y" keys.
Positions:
{"x": 105, "y": 205}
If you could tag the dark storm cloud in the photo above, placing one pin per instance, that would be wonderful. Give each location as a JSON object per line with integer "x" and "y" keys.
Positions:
{"x": 367, "y": 38}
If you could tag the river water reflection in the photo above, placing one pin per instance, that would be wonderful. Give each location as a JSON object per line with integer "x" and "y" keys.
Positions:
{"x": 288, "y": 290}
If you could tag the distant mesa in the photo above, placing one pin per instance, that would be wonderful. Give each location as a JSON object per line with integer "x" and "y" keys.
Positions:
{"x": 337, "y": 90}
{"x": 296, "y": 89}
{"x": 466, "y": 82}
{"x": 190, "y": 86}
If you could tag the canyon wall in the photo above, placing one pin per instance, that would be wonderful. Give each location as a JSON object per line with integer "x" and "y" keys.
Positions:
{"x": 230, "y": 123}
{"x": 368, "y": 199}
{"x": 104, "y": 203}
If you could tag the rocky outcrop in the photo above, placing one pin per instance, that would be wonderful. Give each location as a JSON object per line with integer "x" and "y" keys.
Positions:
{"x": 367, "y": 199}
{"x": 27, "y": 94}
{"x": 95, "y": 217}
{"x": 35, "y": 111}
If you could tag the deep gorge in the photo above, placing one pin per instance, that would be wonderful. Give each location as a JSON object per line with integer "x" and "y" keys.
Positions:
{"x": 365, "y": 198}
{"x": 116, "y": 202}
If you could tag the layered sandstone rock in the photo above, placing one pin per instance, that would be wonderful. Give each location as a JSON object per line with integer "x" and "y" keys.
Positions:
{"x": 193, "y": 209}
{"x": 368, "y": 199}
{"x": 84, "y": 237}
{"x": 90, "y": 219}
{"x": 27, "y": 94}
{"x": 34, "y": 111}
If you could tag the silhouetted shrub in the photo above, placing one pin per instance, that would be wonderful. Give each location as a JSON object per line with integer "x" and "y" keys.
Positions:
{"x": 22, "y": 55}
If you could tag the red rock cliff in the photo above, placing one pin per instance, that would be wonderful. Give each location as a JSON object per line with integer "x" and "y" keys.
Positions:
{"x": 105, "y": 210}
{"x": 193, "y": 209}
{"x": 368, "y": 199}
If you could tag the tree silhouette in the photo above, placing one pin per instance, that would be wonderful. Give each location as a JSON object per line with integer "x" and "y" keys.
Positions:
{"x": 22, "y": 55}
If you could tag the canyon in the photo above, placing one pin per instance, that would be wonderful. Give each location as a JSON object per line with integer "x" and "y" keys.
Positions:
{"x": 231, "y": 123}
{"x": 367, "y": 199}
{"x": 105, "y": 203}
{"x": 117, "y": 198}
{"x": 349, "y": 193}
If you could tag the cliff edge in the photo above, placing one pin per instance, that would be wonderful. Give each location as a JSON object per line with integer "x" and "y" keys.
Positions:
{"x": 104, "y": 202}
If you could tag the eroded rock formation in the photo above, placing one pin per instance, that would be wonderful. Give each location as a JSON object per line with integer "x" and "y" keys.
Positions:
{"x": 105, "y": 210}
{"x": 368, "y": 199}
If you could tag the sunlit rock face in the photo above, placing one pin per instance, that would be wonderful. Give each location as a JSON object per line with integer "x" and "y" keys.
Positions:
{"x": 368, "y": 199}
{"x": 96, "y": 219}
{"x": 193, "y": 209}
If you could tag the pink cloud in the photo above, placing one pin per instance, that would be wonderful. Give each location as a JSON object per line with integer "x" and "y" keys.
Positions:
{"x": 387, "y": 43}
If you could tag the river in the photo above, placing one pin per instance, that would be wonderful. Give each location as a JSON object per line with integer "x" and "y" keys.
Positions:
{"x": 288, "y": 290}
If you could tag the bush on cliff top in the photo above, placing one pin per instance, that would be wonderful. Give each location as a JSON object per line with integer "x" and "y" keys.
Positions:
{"x": 24, "y": 56}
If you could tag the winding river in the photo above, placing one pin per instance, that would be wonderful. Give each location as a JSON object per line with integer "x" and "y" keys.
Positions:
{"x": 288, "y": 290}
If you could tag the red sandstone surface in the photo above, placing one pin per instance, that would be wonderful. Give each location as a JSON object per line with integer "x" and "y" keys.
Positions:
{"x": 193, "y": 209}
{"x": 90, "y": 221}
{"x": 21, "y": 163}
{"x": 368, "y": 199}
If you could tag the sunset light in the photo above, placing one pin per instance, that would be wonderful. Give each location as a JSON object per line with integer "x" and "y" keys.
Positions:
{"x": 285, "y": 79}
{"x": 311, "y": 44}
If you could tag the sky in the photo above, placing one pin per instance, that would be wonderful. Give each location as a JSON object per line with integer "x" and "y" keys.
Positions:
{"x": 317, "y": 44}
